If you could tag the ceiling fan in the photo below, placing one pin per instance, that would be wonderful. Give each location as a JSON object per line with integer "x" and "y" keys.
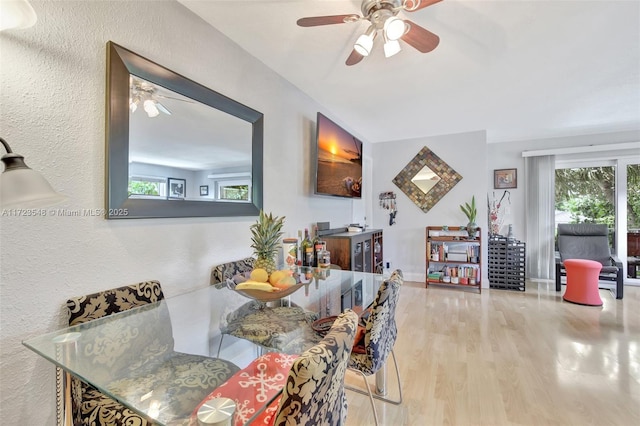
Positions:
{"x": 146, "y": 93}
{"x": 382, "y": 15}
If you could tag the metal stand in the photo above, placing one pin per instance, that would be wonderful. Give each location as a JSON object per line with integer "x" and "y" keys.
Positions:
{"x": 66, "y": 349}
{"x": 217, "y": 412}
{"x": 381, "y": 389}
{"x": 381, "y": 381}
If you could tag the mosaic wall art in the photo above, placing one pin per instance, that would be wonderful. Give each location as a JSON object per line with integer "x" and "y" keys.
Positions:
{"x": 426, "y": 166}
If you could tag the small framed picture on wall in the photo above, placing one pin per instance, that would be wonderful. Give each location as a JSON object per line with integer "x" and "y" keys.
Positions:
{"x": 204, "y": 190}
{"x": 505, "y": 178}
{"x": 177, "y": 188}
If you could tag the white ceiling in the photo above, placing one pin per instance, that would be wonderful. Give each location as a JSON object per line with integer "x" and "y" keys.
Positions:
{"x": 519, "y": 69}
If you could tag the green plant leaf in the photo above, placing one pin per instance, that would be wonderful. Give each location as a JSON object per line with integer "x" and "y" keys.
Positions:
{"x": 470, "y": 209}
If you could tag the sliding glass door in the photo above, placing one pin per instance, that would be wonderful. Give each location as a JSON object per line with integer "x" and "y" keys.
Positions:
{"x": 631, "y": 177}
{"x": 603, "y": 191}
{"x": 587, "y": 194}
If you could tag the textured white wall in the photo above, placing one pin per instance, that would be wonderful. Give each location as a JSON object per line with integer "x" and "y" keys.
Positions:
{"x": 52, "y": 91}
{"x": 404, "y": 242}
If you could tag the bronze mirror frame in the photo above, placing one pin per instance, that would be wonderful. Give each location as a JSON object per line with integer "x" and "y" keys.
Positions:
{"x": 121, "y": 63}
{"x": 426, "y": 158}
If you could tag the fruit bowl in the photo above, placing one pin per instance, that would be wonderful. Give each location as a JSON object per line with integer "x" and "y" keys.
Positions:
{"x": 265, "y": 296}
{"x": 269, "y": 296}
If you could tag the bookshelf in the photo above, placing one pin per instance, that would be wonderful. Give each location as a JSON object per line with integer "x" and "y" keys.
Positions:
{"x": 453, "y": 259}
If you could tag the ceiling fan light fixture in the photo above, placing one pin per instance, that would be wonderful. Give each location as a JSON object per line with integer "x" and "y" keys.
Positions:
{"x": 150, "y": 108}
{"x": 364, "y": 43}
{"x": 391, "y": 47}
{"x": 394, "y": 28}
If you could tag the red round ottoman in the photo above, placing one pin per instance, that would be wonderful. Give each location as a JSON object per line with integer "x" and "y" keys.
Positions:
{"x": 582, "y": 282}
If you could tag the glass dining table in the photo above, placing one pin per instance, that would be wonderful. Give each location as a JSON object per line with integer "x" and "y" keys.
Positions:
{"x": 197, "y": 320}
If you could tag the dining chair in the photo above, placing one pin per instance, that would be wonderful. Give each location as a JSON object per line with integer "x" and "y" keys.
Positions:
{"x": 281, "y": 328}
{"x": 314, "y": 392}
{"x": 225, "y": 271}
{"x": 589, "y": 241}
{"x": 312, "y": 384}
{"x": 188, "y": 378}
{"x": 379, "y": 338}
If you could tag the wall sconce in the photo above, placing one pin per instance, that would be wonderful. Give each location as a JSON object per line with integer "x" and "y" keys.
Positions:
{"x": 22, "y": 187}
{"x": 16, "y": 14}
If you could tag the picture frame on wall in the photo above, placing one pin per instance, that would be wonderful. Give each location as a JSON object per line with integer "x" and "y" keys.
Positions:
{"x": 204, "y": 190}
{"x": 505, "y": 178}
{"x": 177, "y": 188}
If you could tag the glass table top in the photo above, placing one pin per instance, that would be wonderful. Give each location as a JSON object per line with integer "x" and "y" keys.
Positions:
{"x": 129, "y": 355}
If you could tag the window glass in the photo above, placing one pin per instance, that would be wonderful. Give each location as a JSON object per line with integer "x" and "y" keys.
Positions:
{"x": 234, "y": 192}
{"x": 144, "y": 187}
{"x": 587, "y": 195}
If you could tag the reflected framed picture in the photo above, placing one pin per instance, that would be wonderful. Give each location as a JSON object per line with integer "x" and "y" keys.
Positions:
{"x": 177, "y": 188}
{"x": 505, "y": 178}
{"x": 204, "y": 190}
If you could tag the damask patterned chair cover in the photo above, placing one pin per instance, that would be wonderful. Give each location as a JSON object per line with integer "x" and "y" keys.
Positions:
{"x": 380, "y": 335}
{"x": 221, "y": 273}
{"x": 187, "y": 377}
{"x": 313, "y": 383}
{"x": 280, "y": 328}
{"x": 314, "y": 393}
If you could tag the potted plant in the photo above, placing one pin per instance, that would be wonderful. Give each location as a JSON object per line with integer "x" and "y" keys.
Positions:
{"x": 471, "y": 212}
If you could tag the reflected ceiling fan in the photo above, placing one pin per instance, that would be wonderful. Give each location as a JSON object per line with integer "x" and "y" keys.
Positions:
{"x": 146, "y": 93}
{"x": 382, "y": 15}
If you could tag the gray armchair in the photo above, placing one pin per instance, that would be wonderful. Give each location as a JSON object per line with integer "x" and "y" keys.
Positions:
{"x": 588, "y": 241}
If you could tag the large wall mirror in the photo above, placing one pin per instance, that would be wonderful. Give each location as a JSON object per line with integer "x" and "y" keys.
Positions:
{"x": 176, "y": 148}
{"x": 426, "y": 179}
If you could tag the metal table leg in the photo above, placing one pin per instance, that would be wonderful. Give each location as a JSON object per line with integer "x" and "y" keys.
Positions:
{"x": 381, "y": 380}
{"x": 66, "y": 350}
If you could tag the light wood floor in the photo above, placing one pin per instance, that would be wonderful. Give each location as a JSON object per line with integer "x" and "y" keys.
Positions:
{"x": 511, "y": 358}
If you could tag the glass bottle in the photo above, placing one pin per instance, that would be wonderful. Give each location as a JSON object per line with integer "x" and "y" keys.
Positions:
{"x": 307, "y": 249}
{"x": 318, "y": 247}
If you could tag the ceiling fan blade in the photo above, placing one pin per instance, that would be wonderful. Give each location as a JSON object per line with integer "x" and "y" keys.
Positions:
{"x": 423, "y": 40}
{"x": 175, "y": 99}
{"x": 354, "y": 58}
{"x": 162, "y": 108}
{"x": 414, "y": 5}
{"x": 327, "y": 20}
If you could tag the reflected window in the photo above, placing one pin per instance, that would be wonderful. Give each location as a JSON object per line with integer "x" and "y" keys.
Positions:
{"x": 147, "y": 187}
{"x": 234, "y": 191}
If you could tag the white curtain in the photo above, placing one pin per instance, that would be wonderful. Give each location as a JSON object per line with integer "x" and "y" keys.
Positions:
{"x": 540, "y": 216}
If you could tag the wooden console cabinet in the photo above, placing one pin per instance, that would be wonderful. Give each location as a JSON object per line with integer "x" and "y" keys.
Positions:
{"x": 356, "y": 251}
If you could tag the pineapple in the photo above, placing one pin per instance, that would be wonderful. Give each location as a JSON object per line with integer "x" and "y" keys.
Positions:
{"x": 266, "y": 233}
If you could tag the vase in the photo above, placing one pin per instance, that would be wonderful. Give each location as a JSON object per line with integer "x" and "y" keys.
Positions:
{"x": 471, "y": 229}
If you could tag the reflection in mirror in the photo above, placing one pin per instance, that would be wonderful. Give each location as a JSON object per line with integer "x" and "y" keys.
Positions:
{"x": 167, "y": 139}
{"x": 166, "y": 133}
{"x": 426, "y": 179}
